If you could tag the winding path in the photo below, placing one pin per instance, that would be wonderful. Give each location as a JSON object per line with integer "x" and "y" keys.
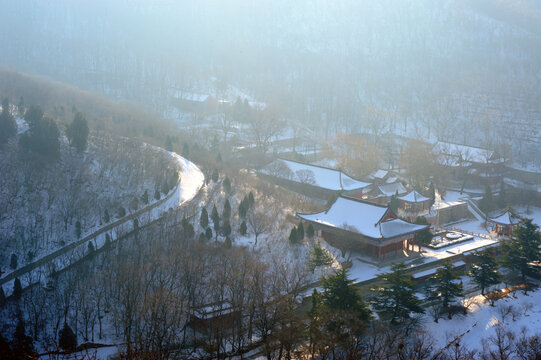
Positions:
{"x": 191, "y": 181}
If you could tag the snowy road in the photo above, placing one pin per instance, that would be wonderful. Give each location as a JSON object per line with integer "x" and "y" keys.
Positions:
{"x": 191, "y": 181}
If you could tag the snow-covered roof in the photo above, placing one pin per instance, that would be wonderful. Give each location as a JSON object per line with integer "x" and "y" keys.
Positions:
{"x": 322, "y": 177}
{"x": 379, "y": 174}
{"x": 257, "y": 105}
{"x": 392, "y": 189}
{"x": 507, "y": 218}
{"x": 467, "y": 153}
{"x": 413, "y": 197}
{"x": 189, "y": 96}
{"x": 362, "y": 218}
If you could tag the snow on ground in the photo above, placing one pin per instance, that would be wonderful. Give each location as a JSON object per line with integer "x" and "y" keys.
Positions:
{"x": 482, "y": 319}
{"x": 531, "y": 212}
{"x": 192, "y": 179}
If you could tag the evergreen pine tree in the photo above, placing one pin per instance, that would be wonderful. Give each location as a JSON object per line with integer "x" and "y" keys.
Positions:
{"x": 300, "y": 232}
{"x": 243, "y": 228}
{"x": 423, "y": 237}
{"x": 251, "y": 199}
{"x": 8, "y": 125}
{"x": 502, "y": 197}
{"x": 202, "y": 237}
{"x": 2, "y": 297}
{"x": 22, "y": 344}
{"x": 394, "y": 203}
{"x": 157, "y": 194}
{"x": 225, "y": 228}
{"x": 78, "y": 229}
{"x": 310, "y": 231}
{"x": 106, "y": 216}
{"x": 293, "y": 236}
{"x": 397, "y": 299}
{"x": 227, "y": 185}
{"x": 204, "y": 219}
{"x": 227, "y": 243}
{"x": 243, "y": 207}
{"x": 226, "y": 213}
{"x": 91, "y": 248}
{"x": 185, "y": 150}
{"x": 486, "y": 204}
{"x": 319, "y": 257}
{"x": 17, "y": 289}
{"x": 144, "y": 198}
{"x": 339, "y": 293}
{"x": 215, "y": 175}
{"x": 431, "y": 194}
{"x": 13, "y": 263}
{"x": 208, "y": 233}
{"x": 522, "y": 250}
{"x": 77, "y": 132}
{"x": 446, "y": 288}
{"x": 215, "y": 219}
{"x": 5, "y": 349}
{"x": 484, "y": 270}
{"x": 67, "y": 339}
{"x": 168, "y": 144}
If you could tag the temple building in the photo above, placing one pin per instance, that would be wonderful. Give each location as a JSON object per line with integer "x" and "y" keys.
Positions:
{"x": 374, "y": 230}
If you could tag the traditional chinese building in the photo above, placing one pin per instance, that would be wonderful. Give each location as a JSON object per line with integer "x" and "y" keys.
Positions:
{"x": 374, "y": 230}
{"x": 505, "y": 224}
{"x": 311, "y": 180}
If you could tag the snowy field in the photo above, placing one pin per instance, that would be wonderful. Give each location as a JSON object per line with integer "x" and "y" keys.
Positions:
{"x": 522, "y": 313}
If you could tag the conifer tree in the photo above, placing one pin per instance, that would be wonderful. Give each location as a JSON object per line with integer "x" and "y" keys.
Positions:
{"x": 17, "y": 289}
{"x": 22, "y": 344}
{"x": 484, "y": 270}
{"x": 319, "y": 257}
{"x": 204, "y": 219}
{"x": 227, "y": 243}
{"x": 215, "y": 175}
{"x": 67, "y": 339}
{"x": 77, "y": 132}
{"x": 310, "y": 231}
{"x": 339, "y": 293}
{"x": 243, "y": 228}
{"x": 522, "y": 250}
{"x": 185, "y": 150}
{"x": 13, "y": 263}
{"x": 2, "y": 297}
{"x": 215, "y": 219}
{"x": 243, "y": 207}
{"x": 168, "y": 143}
{"x": 446, "y": 288}
{"x": 293, "y": 235}
{"x": 208, "y": 233}
{"x": 300, "y": 232}
{"x": 202, "y": 237}
{"x": 226, "y": 213}
{"x": 397, "y": 300}
{"x": 227, "y": 185}
{"x": 106, "y": 216}
{"x": 157, "y": 194}
{"x": 251, "y": 199}
{"x": 8, "y": 125}
{"x": 144, "y": 198}
{"x": 225, "y": 228}
{"x": 78, "y": 229}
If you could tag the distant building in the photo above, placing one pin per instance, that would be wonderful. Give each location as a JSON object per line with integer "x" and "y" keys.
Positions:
{"x": 194, "y": 102}
{"x": 481, "y": 166}
{"x": 505, "y": 224}
{"x": 311, "y": 180}
{"x": 373, "y": 230}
